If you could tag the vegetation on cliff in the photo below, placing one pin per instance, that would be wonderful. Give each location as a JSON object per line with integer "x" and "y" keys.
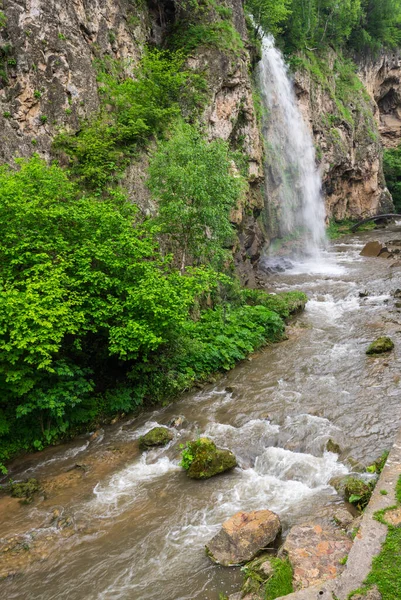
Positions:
{"x": 104, "y": 309}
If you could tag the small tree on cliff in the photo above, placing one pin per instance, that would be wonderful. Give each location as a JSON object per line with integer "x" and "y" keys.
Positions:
{"x": 195, "y": 186}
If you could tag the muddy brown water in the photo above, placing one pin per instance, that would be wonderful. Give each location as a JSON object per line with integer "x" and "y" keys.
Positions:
{"x": 125, "y": 525}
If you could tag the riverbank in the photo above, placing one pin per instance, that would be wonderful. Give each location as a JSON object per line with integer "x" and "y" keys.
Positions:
{"x": 137, "y": 524}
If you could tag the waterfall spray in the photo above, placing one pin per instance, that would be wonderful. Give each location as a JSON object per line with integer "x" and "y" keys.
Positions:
{"x": 293, "y": 184}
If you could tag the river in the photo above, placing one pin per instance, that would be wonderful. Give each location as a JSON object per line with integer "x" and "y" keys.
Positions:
{"x": 137, "y": 526}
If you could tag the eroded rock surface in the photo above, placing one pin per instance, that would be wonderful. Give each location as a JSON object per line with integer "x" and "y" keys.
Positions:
{"x": 243, "y": 536}
{"x": 316, "y": 553}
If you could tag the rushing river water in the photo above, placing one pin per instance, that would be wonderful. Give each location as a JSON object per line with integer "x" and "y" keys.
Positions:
{"x": 139, "y": 525}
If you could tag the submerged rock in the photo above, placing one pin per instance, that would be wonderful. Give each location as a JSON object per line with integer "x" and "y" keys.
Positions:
{"x": 158, "y": 436}
{"x": 316, "y": 553}
{"x": 202, "y": 459}
{"x": 25, "y": 490}
{"x": 243, "y": 536}
{"x": 178, "y": 422}
{"x": 380, "y": 346}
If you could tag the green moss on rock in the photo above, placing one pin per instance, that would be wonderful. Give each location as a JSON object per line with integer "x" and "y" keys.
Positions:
{"x": 202, "y": 459}
{"x": 158, "y": 436}
{"x": 25, "y": 490}
{"x": 267, "y": 578}
{"x": 380, "y": 346}
{"x": 355, "y": 490}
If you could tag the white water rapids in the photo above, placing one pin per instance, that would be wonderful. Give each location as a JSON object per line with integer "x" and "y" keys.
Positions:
{"x": 292, "y": 181}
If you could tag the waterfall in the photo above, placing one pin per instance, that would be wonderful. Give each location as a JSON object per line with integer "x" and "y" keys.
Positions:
{"x": 292, "y": 181}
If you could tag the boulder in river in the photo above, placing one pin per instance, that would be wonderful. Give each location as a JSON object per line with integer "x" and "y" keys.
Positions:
{"x": 317, "y": 553}
{"x": 243, "y": 536}
{"x": 158, "y": 436}
{"x": 372, "y": 249}
{"x": 202, "y": 459}
{"x": 380, "y": 346}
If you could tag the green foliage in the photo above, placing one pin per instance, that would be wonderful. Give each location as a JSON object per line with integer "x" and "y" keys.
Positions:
{"x": 188, "y": 453}
{"x": 3, "y": 19}
{"x": 193, "y": 183}
{"x": 358, "y": 492}
{"x": 274, "y": 585}
{"x": 285, "y": 304}
{"x": 316, "y": 24}
{"x": 82, "y": 282}
{"x": 392, "y": 173}
{"x": 133, "y": 110}
{"x": 269, "y": 15}
{"x": 221, "y": 34}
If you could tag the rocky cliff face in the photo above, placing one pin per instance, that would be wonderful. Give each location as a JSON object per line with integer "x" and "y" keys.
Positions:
{"x": 382, "y": 78}
{"x": 348, "y": 145}
{"x": 48, "y": 54}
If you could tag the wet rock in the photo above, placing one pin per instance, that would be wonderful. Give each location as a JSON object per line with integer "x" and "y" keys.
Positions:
{"x": 343, "y": 518}
{"x": 380, "y": 346}
{"x": 178, "y": 422}
{"x": 243, "y": 536}
{"x": 315, "y": 553}
{"x": 333, "y": 447}
{"x": 355, "y": 490}
{"x": 364, "y": 294}
{"x": 397, "y": 294}
{"x": 385, "y": 253}
{"x": 202, "y": 459}
{"x": 372, "y": 249}
{"x": 25, "y": 490}
{"x": 275, "y": 264}
{"x": 372, "y": 594}
{"x": 158, "y": 436}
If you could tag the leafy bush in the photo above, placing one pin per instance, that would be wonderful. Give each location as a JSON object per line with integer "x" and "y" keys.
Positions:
{"x": 193, "y": 183}
{"x": 82, "y": 282}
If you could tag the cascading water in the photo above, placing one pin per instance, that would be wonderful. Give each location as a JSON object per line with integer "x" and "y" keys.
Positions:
{"x": 293, "y": 184}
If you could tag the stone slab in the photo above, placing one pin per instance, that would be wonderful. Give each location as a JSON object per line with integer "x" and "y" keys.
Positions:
{"x": 368, "y": 541}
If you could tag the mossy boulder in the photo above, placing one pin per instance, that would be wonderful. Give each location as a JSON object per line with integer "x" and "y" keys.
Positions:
{"x": 202, "y": 459}
{"x": 25, "y": 490}
{"x": 355, "y": 490}
{"x": 380, "y": 346}
{"x": 158, "y": 436}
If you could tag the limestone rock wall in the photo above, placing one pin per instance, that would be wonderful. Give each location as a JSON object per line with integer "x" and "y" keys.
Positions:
{"x": 382, "y": 78}
{"x": 349, "y": 151}
{"x": 47, "y": 54}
